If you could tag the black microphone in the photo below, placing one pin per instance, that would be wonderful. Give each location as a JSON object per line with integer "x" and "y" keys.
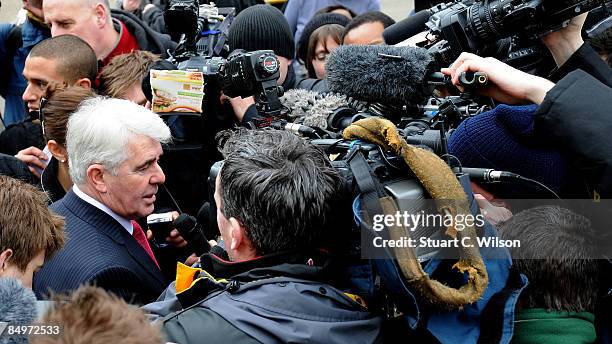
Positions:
{"x": 204, "y": 216}
{"x": 379, "y": 73}
{"x": 191, "y": 231}
{"x": 487, "y": 174}
{"x": 404, "y": 29}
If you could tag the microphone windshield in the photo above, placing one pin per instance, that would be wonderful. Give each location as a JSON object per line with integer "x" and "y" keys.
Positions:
{"x": 380, "y": 73}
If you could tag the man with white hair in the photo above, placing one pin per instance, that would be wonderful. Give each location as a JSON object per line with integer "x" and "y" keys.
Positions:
{"x": 108, "y": 33}
{"x": 113, "y": 147}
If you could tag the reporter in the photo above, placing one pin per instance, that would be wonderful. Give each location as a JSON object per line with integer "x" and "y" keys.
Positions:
{"x": 56, "y": 108}
{"x": 573, "y": 114}
{"x": 322, "y": 42}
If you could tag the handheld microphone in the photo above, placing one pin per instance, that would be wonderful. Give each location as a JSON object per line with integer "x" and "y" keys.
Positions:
{"x": 404, "y": 29}
{"x": 191, "y": 231}
{"x": 378, "y": 73}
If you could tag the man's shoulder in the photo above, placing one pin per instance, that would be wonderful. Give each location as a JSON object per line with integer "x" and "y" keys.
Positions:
{"x": 197, "y": 322}
{"x": 147, "y": 38}
{"x": 254, "y": 308}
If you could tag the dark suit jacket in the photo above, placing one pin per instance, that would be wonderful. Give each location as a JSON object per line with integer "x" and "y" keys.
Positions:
{"x": 98, "y": 251}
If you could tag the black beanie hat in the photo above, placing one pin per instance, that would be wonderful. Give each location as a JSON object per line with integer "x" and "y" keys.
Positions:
{"x": 262, "y": 27}
{"x": 315, "y": 23}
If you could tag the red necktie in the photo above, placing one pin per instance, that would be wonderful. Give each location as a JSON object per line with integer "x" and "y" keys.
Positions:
{"x": 141, "y": 238}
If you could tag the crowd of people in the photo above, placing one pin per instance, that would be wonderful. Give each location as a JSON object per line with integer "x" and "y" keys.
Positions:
{"x": 84, "y": 162}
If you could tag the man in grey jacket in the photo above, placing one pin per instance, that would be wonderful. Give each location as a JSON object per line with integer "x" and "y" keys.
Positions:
{"x": 276, "y": 196}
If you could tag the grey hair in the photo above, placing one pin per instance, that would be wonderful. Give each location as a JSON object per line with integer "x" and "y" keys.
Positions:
{"x": 100, "y": 130}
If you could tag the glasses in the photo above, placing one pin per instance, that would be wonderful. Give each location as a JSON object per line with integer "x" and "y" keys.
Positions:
{"x": 41, "y": 113}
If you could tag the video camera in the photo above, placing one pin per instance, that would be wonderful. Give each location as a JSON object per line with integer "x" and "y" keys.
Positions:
{"x": 506, "y": 29}
{"x": 202, "y": 30}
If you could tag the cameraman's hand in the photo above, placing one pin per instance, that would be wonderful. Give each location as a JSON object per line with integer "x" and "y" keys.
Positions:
{"x": 34, "y": 158}
{"x": 506, "y": 84}
{"x": 564, "y": 42}
{"x": 240, "y": 106}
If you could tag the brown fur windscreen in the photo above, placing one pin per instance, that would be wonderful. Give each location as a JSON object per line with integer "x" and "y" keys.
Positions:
{"x": 442, "y": 185}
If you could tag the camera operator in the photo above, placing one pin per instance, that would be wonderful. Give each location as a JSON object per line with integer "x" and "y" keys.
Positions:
{"x": 573, "y": 114}
{"x": 277, "y": 206}
{"x": 262, "y": 27}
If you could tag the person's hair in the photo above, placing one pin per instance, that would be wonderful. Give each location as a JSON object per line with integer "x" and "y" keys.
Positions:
{"x": 567, "y": 279}
{"x": 368, "y": 17}
{"x": 330, "y": 9}
{"x": 100, "y": 130}
{"x": 74, "y": 57}
{"x": 320, "y": 35}
{"x": 61, "y": 103}
{"x": 125, "y": 71}
{"x": 36, "y": 3}
{"x": 282, "y": 189}
{"x": 602, "y": 43}
{"x": 27, "y": 226}
{"x": 93, "y": 316}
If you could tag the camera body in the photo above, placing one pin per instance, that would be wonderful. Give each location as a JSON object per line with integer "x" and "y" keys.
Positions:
{"x": 202, "y": 30}
{"x": 509, "y": 29}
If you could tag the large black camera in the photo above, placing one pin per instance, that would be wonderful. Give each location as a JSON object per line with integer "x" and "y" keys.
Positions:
{"x": 480, "y": 26}
{"x": 202, "y": 30}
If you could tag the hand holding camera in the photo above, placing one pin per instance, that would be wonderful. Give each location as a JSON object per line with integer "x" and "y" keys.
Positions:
{"x": 506, "y": 84}
{"x": 161, "y": 230}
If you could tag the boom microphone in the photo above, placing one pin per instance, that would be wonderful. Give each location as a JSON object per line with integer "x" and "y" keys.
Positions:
{"x": 380, "y": 73}
{"x": 314, "y": 109}
{"x": 404, "y": 29}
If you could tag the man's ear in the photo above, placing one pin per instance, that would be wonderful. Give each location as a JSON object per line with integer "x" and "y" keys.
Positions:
{"x": 57, "y": 150}
{"x": 84, "y": 82}
{"x": 237, "y": 235}
{"x": 101, "y": 14}
{"x": 95, "y": 177}
{"x": 4, "y": 257}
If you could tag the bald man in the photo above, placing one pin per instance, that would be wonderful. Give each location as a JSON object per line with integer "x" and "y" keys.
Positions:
{"x": 109, "y": 33}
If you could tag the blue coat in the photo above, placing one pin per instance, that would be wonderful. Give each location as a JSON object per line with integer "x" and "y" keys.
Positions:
{"x": 12, "y": 82}
{"x": 98, "y": 251}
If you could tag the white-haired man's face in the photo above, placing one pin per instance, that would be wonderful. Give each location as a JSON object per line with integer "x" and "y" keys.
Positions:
{"x": 131, "y": 191}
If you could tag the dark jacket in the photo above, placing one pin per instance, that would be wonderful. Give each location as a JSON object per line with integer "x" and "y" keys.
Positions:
{"x": 315, "y": 85}
{"x": 15, "y": 168}
{"x": 20, "y": 136}
{"x": 273, "y": 299}
{"x": 147, "y": 38}
{"x": 153, "y": 17}
{"x": 99, "y": 251}
{"x": 12, "y": 58}
{"x": 49, "y": 181}
{"x": 576, "y": 117}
